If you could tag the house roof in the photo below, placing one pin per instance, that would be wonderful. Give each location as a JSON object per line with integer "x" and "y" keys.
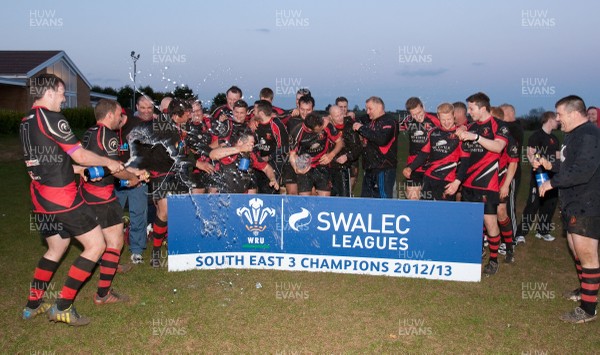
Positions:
{"x": 13, "y": 81}
{"x": 24, "y": 64}
{"x": 19, "y": 63}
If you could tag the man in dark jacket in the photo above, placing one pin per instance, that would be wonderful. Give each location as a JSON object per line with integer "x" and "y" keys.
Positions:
{"x": 341, "y": 165}
{"x": 380, "y": 155}
{"x": 578, "y": 182}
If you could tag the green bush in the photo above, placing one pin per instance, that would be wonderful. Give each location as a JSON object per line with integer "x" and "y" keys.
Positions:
{"x": 9, "y": 121}
{"x": 79, "y": 118}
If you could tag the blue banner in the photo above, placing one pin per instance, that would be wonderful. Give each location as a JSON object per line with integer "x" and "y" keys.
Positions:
{"x": 426, "y": 239}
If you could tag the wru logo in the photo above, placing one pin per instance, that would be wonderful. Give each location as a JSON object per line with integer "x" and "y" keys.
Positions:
{"x": 255, "y": 215}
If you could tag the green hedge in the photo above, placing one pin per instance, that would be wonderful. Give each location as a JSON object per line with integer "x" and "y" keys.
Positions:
{"x": 79, "y": 118}
{"x": 9, "y": 121}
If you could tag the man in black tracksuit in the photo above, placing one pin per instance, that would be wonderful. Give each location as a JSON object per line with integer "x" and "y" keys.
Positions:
{"x": 541, "y": 210}
{"x": 380, "y": 155}
{"x": 578, "y": 181}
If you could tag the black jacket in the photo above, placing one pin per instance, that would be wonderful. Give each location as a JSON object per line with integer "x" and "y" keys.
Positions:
{"x": 578, "y": 174}
{"x": 381, "y": 146}
{"x": 352, "y": 145}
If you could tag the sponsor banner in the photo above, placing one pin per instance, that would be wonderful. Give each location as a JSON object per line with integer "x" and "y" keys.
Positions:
{"x": 346, "y": 265}
{"x": 427, "y": 239}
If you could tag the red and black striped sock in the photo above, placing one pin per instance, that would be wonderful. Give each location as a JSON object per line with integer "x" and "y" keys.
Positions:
{"x": 578, "y": 268}
{"x": 589, "y": 289}
{"x": 506, "y": 231}
{"x": 108, "y": 268}
{"x": 160, "y": 230}
{"x": 494, "y": 243}
{"x": 41, "y": 278}
{"x": 79, "y": 272}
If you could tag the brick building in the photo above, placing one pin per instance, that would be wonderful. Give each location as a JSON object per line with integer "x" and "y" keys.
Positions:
{"x": 17, "y": 68}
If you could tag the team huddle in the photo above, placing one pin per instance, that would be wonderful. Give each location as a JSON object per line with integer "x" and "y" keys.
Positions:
{"x": 267, "y": 150}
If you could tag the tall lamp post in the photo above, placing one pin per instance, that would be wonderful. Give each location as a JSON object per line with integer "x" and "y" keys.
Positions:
{"x": 135, "y": 59}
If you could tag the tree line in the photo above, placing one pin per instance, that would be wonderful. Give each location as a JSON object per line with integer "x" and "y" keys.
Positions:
{"x": 125, "y": 95}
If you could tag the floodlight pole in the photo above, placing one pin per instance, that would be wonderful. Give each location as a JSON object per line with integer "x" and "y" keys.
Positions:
{"x": 135, "y": 59}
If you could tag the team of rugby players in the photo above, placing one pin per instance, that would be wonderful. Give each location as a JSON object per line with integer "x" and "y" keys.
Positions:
{"x": 257, "y": 149}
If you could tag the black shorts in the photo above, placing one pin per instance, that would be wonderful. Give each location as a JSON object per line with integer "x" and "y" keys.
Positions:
{"x": 200, "y": 179}
{"x": 340, "y": 181}
{"x": 233, "y": 181}
{"x": 433, "y": 189}
{"x": 502, "y": 200}
{"x": 416, "y": 179}
{"x": 489, "y": 198}
{"x": 252, "y": 185}
{"x": 587, "y": 226}
{"x": 263, "y": 183}
{"x": 163, "y": 186}
{"x": 212, "y": 180}
{"x": 67, "y": 224}
{"x": 289, "y": 176}
{"x": 108, "y": 214}
{"x": 318, "y": 177}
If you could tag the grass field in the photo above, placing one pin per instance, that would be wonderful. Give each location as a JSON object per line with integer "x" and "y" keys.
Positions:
{"x": 515, "y": 311}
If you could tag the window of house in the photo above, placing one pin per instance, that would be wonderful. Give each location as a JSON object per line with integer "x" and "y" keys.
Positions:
{"x": 68, "y": 75}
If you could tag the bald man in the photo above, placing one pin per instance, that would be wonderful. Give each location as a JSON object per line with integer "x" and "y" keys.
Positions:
{"x": 516, "y": 132}
{"x": 164, "y": 103}
{"x": 380, "y": 154}
{"x": 137, "y": 196}
{"x": 340, "y": 167}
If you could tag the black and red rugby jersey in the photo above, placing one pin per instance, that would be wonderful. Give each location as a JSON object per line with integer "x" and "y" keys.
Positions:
{"x": 271, "y": 138}
{"x": 510, "y": 154}
{"x": 104, "y": 142}
{"x": 47, "y": 142}
{"x": 305, "y": 141}
{"x": 482, "y": 164}
{"x": 417, "y": 135}
{"x": 440, "y": 155}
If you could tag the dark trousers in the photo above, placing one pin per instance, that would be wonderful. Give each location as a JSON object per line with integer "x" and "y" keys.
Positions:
{"x": 379, "y": 183}
{"x": 511, "y": 205}
{"x": 539, "y": 211}
{"x": 340, "y": 182}
{"x": 262, "y": 181}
